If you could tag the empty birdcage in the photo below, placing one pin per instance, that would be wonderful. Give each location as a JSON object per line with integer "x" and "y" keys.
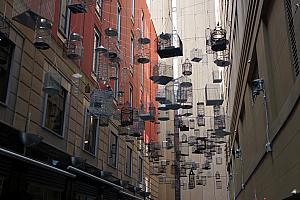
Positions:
{"x": 188, "y": 105}
{"x": 160, "y": 94}
{"x": 101, "y": 102}
{"x": 143, "y": 54}
{"x": 200, "y": 109}
{"x": 186, "y": 112}
{"x": 183, "y": 174}
{"x": 169, "y": 45}
{"x": 182, "y": 94}
{"x": 192, "y": 140}
{"x": 196, "y": 55}
{"x": 213, "y": 94}
{"x": 126, "y": 115}
{"x": 150, "y": 115}
{"x": 187, "y": 68}
{"x": 206, "y": 166}
{"x": 171, "y": 100}
{"x": 200, "y": 121}
{"x": 74, "y": 46}
{"x": 192, "y": 182}
{"x": 52, "y": 82}
{"x": 137, "y": 129}
{"x": 218, "y": 39}
{"x": 163, "y": 115}
{"x": 111, "y": 31}
{"x": 208, "y": 41}
{"x": 78, "y": 6}
{"x": 184, "y": 138}
{"x": 42, "y": 36}
{"x": 192, "y": 124}
{"x": 184, "y": 124}
{"x": 162, "y": 73}
{"x": 185, "y": 82}
{"x": 221, "y": 58}
{"x": 184, "y": 149}
{"x": 217, "y": 76}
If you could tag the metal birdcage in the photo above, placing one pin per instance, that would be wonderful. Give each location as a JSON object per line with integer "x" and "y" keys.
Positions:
{"x": 184, "y": 138}
{"x": 52, "y": 82}
{"x": 218, "y": 39}
{"x": 184, "y": 149}
{"x": 42, "y": 37}
{"x": 192, "y": 182}
{"x": 161, "y": 94}
{"x": 74, "y": 46}
{"x": 171, "y": 100}
{"x": 79, "y": 6}
{"x": 200, "y": 109}
{"x": 150, "y": 115}
{"x": 187, "y": 68}
{"x": 143, "y": 49}
{"x": 126, "y": 115}
{"x": 208, "y": 41}
{"x": 214, "y": 94}
{"x": 196, "y": 55}
{"x": 206, "y": 166}
{"x": 192, "y": 124}
{"x": 137, "y": 128}
{"x": 162, "y": 73}
{"x": 169, "y": 45}
{"x": 163, "y": 115}
{"x": 192, "y": 140}
{"x": 185, "y": 81}
{"x": 217, "y": 76}
{"x": 200, "y": 121}
{"x": 101, "y": 102}
{"x": 184, "y": 124}
{"x": 221, "y": 58}
{"x": 186, "y": 112}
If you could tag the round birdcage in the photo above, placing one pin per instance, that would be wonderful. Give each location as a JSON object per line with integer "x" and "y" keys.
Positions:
{"x": 126, "y": 115}
{"x": 74, "y": 46}
{"x": 218, "y": 39}
{"x": 101, "y": 102}
{"x": 52, "y": 82}
{"x": 200, "y": 121}
{"x": 42, "y": 36}
{"x": 187, "y": 68}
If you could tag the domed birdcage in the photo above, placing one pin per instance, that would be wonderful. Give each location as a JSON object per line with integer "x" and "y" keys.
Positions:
{"x": 196, "y": 55}
{"x": 218, "y": 39}
{"x": 52, "y": 82}
{"x": 187, "y": 68}
{"x": 169, "y": 45}
{"x": 188, "y": 104}
{"x": 42, "y": 36}
{"x": 192, "y": 182}
{"x": 221, "y": 58}
{"x": 101, "y": 102}
{"x": 185, "y": 82}
{"x": 162, "y": 73}
{"x": 74, "y": 46}
{"x": 126, "y": 115}
{"x": 192, "y": 140}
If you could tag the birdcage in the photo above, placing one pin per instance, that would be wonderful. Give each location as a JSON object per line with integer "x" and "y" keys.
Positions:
{"x": 169, "y": 45}
{"x": 111, "y": 32}
{"x": 78, "y": 6}
{"x": 162, "y": 73}
{"x": 218, "y": 39}
{"x": 192, "y": 140}
{"x": 171, "y": 100}
{"x": 192, "y": 124}
{"x": 213, "y": 94}
{"x": 184, "y": 149}
{"x": 185, "y": 81}
{"x": 170, "y": 142}
{"x": 160, "y": 94}
{"x": 52, "y": 82}
{"x": 42, "y": 37}
{"x": 206, "y": 166}
{"x": 126, "y": 115}
{"x": 208, "y": 41}
{"x": 217, "y": 76}
{"x": 200, "y": 121}
{"x": 101, "y": 102}
{"x": 163, "y": 115}
{"x": 188, "y": 91}
{"x": 192, "y": 182}
{"x": 182, "y": 94}
{"x": 221, "y": 58}
{"x": 186, "y": 112}
{"x": 143, "y": 55}
{"x": 187, "y": 68}
{"x": 200, "y": 109}
{"x": 74, "y": 46}
{"x": 219, "y": 118}
{"x": 150, "y": 115}
{"x": 4, "y": 27}
{"x": 137, "y": 128}
{"x": 196, "y": 55}
{"x": 184, "y": 124}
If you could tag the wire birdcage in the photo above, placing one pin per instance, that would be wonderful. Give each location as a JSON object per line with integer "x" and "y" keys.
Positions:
{"x": 148, "y": 115}
{"x": 192, "y": 140}
{"x": 42, "y": 37}
{"x": 184, "y": 124}
{"x": 52, "y": 82}
{"x": 163, "y": 115}
{"x": 184, "y": 149}
{"x": 217, "y": 76}
{"x": 196, "y": 55}
{"x": 161, "y": 73}
{"x": 200, "y": 109}
{"x": 200, "y": 121}
{"x": 76, "y": 83}
{"x": 79, "y": 6}
{"x": 192, "y": 182}
{"x": 126, "y": 115}
{"x": 169, "y": 45}
{"x": 161, "y": 94}
{"x": 101, "y": 102}
{"x": 221, "y": 58}
{"x": 185, "y": 81}
{"x": 208, "y": 41}
{"x": 187, "y": 68}
{"x": 186, "y": 112}
{"x": 218, "y": 39}
{"x": 214, "y": 94}
{"x": 192, "y": 124}
{"x": 74, "y": 46}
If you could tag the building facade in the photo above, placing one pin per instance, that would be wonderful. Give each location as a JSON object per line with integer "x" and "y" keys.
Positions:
{"x": 262, "y": 92}
{"x": 68, "y": 71}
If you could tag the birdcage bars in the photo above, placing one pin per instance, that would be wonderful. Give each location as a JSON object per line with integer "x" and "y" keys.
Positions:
{"x": 52, "y": 82}
{"x": 150, "y": 115}
{"x": 171, "y": 100}
{"x": 184, "y": 124}
{"x": 196, "y": 55}
{"x": 161, "y": 73}
{"x": 200, "y": 121}
{"x": 187, "y": 68}
{"x": 74, "y": 46}
{"x": 169, "y": 45}
{"x": 186, "y": 112}
{"x": 218, "y": 39}
{"x": 185, "y": 81}
{"x": 192, "y": 140}
{"x": 221, "y": 58}
{"x": 213, "y": 94}
{"x": 160, "y": 94}
{"x": 143, "y": 55}
{"x": 101, "y": 102}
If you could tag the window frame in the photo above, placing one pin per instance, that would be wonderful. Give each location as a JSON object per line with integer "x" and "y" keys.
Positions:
{"x": 112, "y": 134}
{"x": 131, "y": 54}
{"x": 141, "y": 170}
{"x": 64, "y": 31}
{"x": 97, "y": 35}
{"x": 126, "y": 158}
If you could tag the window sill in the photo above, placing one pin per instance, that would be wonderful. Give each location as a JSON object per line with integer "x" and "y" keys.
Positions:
{"x": 54, "y": 133}
{"x": 111, "y": 166}
{"x": 89, "y": 153}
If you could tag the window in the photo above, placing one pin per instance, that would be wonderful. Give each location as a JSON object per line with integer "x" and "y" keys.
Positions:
{"x": 128, "y": 164}
{"x": 6, "y": 52}
{"x": 119, "y": 23}
{"x": 54, "y": 116}
{"x": 132, "y": 9}
{"x": 113, "y": 150}
{"x": 97, "y": 42}
{"x": 131, "y": 49}
{"x": 99, "y": 7}
{"x": 116, "y": 81}
{"x": 141, "y": 170}
{"x": 64, "y": 14}
{"x": 130, "y": 95}
{"x": 91, "y": 125}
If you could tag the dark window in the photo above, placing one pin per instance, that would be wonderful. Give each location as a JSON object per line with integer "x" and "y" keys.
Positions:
{"x": 128, "y": 164}
{"x": 113, "y": 150}
{"x": 97, "y": 43}
{"x": 55, "y": 111}
{"x": 6, "y": 50}
{"x": 90, "y": 133}
{"x": 42, "y": 193}
{"x": 141, "y": 170}
{"x": 64, "y": 14}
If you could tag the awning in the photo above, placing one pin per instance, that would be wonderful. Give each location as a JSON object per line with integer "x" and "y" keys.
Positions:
{"x": 130, "y": 195}
{"x": 73, "y": 169}
{"x": 25, "y": 159}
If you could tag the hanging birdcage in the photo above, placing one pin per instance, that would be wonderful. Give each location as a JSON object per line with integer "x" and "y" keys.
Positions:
{"x": 171, "y": 100}
{"x": 162, "y": 73}
{"x": 184, "y": 149}
{"x": 143, "y": 55}
{"x": 42, "y": 36}
{"x": 183, "y": 172}
{"x": 78, "y": 6}
{"x": 218, "y": 39}
{"x": 217, "y": 76}
{"x": 184, "y": 124}
{"x": 169, "y": 45}
{"x": 185, "y": 82}
{"x": 111, "y": 32}
{"x": 200, "y": 121}
{"x": 208, "y": 41}
{"x": 113, "y": 71}
{"x": 170, "y": 142}
{"x": 74, "y": 46}
{"x": 192, "y": 182}
{"x": 213, "y": 94}
{"x": 192, "y": 140}
{"x": 150, "y": 115}
{"x": 52, "y": 82}
{"x": 221, "y": 58}
{"x": 192, "y": 124}
{"x": 186, "y": 112}
{"x": 163, "y": 115}
{"x": 103, "y": 121}
{"x": 184, "y": 138}
{"x": 188, "y": 104}
{"x": 187, "y": 68}
{"x": 206, "y": 166}
{"x": 200, "y": 109}
{"x": 126, "y": 115}
{"x": 196, "y": 55}
{"x": 101, "y": 102}
{"x": 160, "y": 94}
{"x": 137, "y": 129}
{"x": 28, "y": 12}
{"x": 217, "y": 175}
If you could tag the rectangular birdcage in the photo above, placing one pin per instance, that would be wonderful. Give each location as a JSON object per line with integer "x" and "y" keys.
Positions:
{"x": 184, "y": 149}
{"x": 101, "y": 103}
{"x": 221, "y": 58}
{"x": 196, "y": 55}
{"x": 217, "y": 76}
{"x": 169, "y": 45}
{"x": 160, "y": 94}
{"x": 200, "y": 109}
{"x": 200, "y": 121}
{"x": 79, "y": 6}
{"x": 27, "y": 12}
{"x": 137, "y": 128}
{"x": 162, "y": 73}
{"x": 214, "y": 94}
